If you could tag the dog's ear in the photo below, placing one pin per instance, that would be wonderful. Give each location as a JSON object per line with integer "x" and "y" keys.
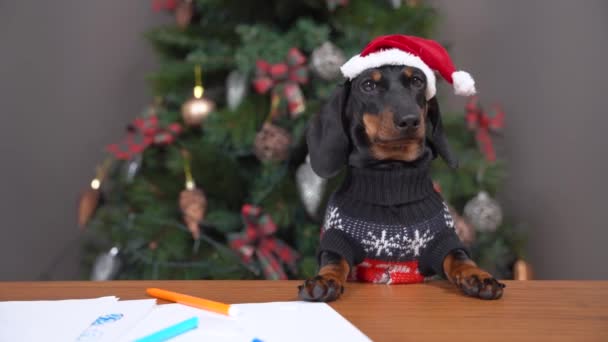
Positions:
{"x": 439, "y": 142}
{"x": 328, "y": 144}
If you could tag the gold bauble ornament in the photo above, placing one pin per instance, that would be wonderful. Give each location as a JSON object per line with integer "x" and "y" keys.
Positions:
{"x": 196, "y": 110}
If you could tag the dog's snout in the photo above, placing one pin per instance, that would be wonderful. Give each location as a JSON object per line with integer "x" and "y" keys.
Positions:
{"x": 408, "y": 122}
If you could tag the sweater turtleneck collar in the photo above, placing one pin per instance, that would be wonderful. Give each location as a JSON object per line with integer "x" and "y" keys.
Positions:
{"x": 401, "y": 184}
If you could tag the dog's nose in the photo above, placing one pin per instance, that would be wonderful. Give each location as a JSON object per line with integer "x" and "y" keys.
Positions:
{"x": 409, "y": 122}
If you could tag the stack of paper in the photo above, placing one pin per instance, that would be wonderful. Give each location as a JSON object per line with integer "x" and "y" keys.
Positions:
{"x": 107, "y": 319}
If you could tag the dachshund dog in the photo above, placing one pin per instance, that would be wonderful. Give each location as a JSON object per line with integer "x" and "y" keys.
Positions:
{"x": 383, "y": 128}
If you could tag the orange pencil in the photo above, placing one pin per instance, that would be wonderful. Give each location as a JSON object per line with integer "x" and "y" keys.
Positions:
{"x": 205, "y": 304}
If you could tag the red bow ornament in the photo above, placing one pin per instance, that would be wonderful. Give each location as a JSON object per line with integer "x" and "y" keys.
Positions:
{"x": 142, "y": 133}
{"x": 258, "y": 241}
{"x": 284, "y": 79}
{"x": 167, "y": 5}
{"x": 484, "y": 123}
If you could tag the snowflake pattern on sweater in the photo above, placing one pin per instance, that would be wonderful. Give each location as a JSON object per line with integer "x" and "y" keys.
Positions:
{"x": 389, "y": 242}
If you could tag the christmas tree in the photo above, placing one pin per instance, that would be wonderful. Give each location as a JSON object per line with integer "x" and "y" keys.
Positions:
{"x": 212, "y": 180}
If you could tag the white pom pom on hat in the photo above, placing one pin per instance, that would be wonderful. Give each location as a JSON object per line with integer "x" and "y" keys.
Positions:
{"x": 425, "y": 54}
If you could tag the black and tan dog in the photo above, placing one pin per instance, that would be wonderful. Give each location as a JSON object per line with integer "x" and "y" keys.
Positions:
{"x": 383, "y": 127}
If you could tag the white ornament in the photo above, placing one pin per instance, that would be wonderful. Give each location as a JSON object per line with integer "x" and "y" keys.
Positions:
{"x": 132, "y": 167}
{"x": 484, "y": 213}
{"x": 326, "y": 61}
{"x": 106, "y": 265}
{"x": 236, "y": 89}
{"x": 395, "y": 3}
{"x": 310, "y": 187}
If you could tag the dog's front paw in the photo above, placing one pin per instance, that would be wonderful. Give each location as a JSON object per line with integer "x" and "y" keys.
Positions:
{"x": 320, "y": 289}
{"x": 476, "y": 282}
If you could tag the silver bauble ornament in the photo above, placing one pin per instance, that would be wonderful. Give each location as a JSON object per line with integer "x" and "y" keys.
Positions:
{"x": 236, "y": 89}
{"x": 395, "y": 3}
{"x": 310, "y": 187}
{"x": 484, "y": 213}
{"x": 106, "y": 265}
{"x": 326, "y": 60}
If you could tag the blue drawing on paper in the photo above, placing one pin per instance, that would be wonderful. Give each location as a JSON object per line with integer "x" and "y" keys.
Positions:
{"x": 95, "y": 331}
{"x": 108, "y": 319}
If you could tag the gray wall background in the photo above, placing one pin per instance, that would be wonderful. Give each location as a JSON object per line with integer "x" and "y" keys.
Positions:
{"x": 72, "y": 75}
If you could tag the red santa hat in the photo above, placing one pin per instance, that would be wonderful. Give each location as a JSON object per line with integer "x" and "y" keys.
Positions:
{"x": 425, "y": 54}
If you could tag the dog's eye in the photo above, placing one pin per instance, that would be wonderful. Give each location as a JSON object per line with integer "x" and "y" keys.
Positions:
{"x": 417, "y": 82}
{"x": 368, "y": 86}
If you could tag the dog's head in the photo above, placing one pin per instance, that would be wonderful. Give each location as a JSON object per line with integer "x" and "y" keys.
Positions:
{"x": 381, "y": 116}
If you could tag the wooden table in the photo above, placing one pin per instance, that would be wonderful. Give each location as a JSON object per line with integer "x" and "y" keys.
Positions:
{"x": 529, "y": 310}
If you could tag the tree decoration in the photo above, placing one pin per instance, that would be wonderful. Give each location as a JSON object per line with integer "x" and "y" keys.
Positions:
{"x": 192, "y": 201}
{"x": 164, "y": 5}
{"x": 89, "y": 199}
{"x": 132, "y": 166}
{"x": 184, "y": 11}
{"x": 310, "y": 187}
{"x": 106, "y": 265}
{"x": 236, "y": 89}
{"x": 141, "y": 134}
{"x": 284, "y": 79}
{"x": 198, "y": 108}
{"x": 258, "y": 241}
{"x": 483, "y": 212}
{"x": 272, "y": 143}
{"x": 326, "y": 61}
{"x": 522, "y": 270}
{"x": 333, "y": 4}
{"x": 483, "y": 123}
{"x": 396, "y": 4}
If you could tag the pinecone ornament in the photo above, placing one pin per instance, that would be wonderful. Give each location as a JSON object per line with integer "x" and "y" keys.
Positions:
{"x": 522, "y": 270}
{"x": 193, "y": 204}
{"x": 89, "y": 200}
{"x": 483, "y": 212}
{"x": 272, "y": 143}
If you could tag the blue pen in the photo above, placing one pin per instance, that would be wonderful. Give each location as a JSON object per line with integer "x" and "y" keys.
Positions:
{"x": 171, "y": 331}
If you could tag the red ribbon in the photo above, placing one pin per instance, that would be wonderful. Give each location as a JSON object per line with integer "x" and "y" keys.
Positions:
{"x": 484, "y": 123}
{"x": 284, "y": 79}
{"x": 142, "y": 133}
{"x": 258, "y": 240}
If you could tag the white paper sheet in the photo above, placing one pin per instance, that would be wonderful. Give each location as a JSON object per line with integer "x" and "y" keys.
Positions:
{"x": 61, "y": 320}
{"x": 269, "y": 322}
{"x": 117, "y": 321}
{"x": 297, "y": 322}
